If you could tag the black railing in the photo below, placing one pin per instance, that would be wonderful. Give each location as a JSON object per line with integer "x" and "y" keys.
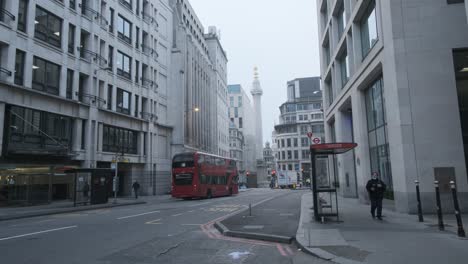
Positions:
{"x": 91, "y": 55}
{"x": 4, "y": 13}
{"x": 148, "y": 50}
{"x": 124, "y": 38}
{"x": 147, "y": 116}
{"x": 91, "y": 99}
{"x": 146, "y": 82}
{"x": 4, "y": 73}
{"x": 147, "y": 18}
{"x": 125, "y": 4}
{"x": 90, "y": 13}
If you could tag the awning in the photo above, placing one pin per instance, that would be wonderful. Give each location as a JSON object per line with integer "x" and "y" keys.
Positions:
{"x": 332, "y": 148}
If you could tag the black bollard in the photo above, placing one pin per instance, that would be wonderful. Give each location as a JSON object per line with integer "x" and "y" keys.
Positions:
{"x": 439, "y": 207}
{"x": 461, "y": 231}
{"x": 250, "y": 209}
{"x": 418, "y": 197}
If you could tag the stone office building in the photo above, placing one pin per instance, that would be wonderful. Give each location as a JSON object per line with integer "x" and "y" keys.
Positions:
{"x": 83, "y": 83}
{"x": 394, "y": 79}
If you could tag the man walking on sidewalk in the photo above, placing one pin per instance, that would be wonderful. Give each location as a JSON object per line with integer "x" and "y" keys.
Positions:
{"x": 135, "y": 187}
{"x": 376, "y": 189}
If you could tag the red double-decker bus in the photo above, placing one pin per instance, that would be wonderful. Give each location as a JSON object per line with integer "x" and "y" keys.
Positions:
{"x": 201, "y": 175}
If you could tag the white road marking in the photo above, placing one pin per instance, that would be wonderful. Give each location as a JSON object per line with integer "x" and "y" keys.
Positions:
{"x": 191, "y": 211}
{"x": 40, "y": 232}
{"x": 191, "y": 224}
{"x": 177, "y": 214}
{"x": 154, "y": 222}
{"x": 130, "y": 216}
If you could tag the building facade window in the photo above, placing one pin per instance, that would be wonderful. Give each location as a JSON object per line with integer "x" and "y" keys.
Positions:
{"x": 241, "y": 125}
{"x": 19, "y": 67}
{"x": 71, "y": 39}
{"x": 377, "y": 130}
{"x": 341, "y": 21}
{"x": 110, "y": 89}
{"x": 296, "y": 154}
{"x": 124, "y": 65}
{"x": 231, "y": 101}
{"x": 46, "y": 76}
{"x": 69, "y": 84}
{"x": 288, "y": 142}
{"x": 123, "y": 101}
{"x": 111, "y": 20}
{"x": 22, "y": 15}
{"x": 124, "y": 28}
{"x": 110, "y": 58}
{"x": 295, "y": 142}
{"x": 369, "y": 33}
{"x": 119, "y": 140}
{"x": 34, "y": 128}
{"x": 344, "y": 68}
{"x": 236, "y": 112}
{"x": 48, "y": 27}
{"x": 72, "y": 4}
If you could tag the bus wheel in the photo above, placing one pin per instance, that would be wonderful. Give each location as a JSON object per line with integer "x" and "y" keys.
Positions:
{"x": 208, "y": 194}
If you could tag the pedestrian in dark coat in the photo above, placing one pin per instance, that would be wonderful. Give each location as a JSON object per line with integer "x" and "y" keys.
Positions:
{"x": 136, "y": 187}
{"x": 376, "y": 189}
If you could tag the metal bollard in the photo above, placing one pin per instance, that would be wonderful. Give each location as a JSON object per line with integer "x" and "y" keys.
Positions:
{"x": 250, "y": 209}
{"x": 461, "y": 231}
{"x": 439, "y": 207}
{"x": 418, "y": 197}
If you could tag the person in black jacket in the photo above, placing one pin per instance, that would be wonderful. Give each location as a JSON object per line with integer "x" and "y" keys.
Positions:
{"x": 136, "y": 187}
{"x": 376, "y": 189}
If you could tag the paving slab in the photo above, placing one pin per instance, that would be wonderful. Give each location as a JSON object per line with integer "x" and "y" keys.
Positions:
{"x": 275, "y": 220}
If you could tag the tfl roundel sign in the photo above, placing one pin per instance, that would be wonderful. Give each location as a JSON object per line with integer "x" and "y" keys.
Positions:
{"x": 316, "y": 140}
{"x": 309, "y": 134}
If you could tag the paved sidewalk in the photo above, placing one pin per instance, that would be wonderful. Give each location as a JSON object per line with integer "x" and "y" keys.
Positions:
{"x": 9, "y": 213}
{"x": 399, "y": 238}
{"x": 275, "y": 220}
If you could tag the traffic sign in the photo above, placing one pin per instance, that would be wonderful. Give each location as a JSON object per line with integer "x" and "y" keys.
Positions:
{"x": 316, "y": 140}
{"x": 309, "y": 134}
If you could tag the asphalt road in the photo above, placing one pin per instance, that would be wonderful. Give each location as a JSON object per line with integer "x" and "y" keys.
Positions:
{"x": 164, "y": 230}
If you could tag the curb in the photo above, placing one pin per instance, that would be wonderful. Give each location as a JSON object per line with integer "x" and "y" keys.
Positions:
{"x": 317, "y": 251}
{"x": 66, "y": 210}
{"x": 257, "y": 236}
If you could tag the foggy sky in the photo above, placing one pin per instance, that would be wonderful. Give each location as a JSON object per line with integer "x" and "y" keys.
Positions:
{"x": 278, "y": 36}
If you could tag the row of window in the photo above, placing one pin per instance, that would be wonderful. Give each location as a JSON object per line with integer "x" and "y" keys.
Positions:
{"x": 294, "y": 142}
{"x": 289, "y": 167}
{"x": 293, "y": 107}
{"x": 46, "y": 78}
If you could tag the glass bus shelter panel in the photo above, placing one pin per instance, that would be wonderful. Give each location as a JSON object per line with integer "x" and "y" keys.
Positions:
{"x": 83, "y": 187}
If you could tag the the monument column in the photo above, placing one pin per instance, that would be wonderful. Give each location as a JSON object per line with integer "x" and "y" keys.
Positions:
{"x": 257, "y": 93}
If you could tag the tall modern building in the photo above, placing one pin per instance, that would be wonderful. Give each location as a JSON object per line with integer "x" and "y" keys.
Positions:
{"x": 194, "y": 91}
{"x": 394, "y": 77}
{"x": 219, "y": 59}
{"x": 257, "y": 93}
{"x": 241, "y": 113}
{"x": 83, "y": 83}
{"x": 300, "y": 114}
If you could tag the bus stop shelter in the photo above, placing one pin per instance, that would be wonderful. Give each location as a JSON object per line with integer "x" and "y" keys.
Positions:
{"x": 91, "y": 186}
{"x": 329, "y": 149}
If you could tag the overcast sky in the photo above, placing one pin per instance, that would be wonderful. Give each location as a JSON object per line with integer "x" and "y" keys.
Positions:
{"x": 278, "y": 36}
